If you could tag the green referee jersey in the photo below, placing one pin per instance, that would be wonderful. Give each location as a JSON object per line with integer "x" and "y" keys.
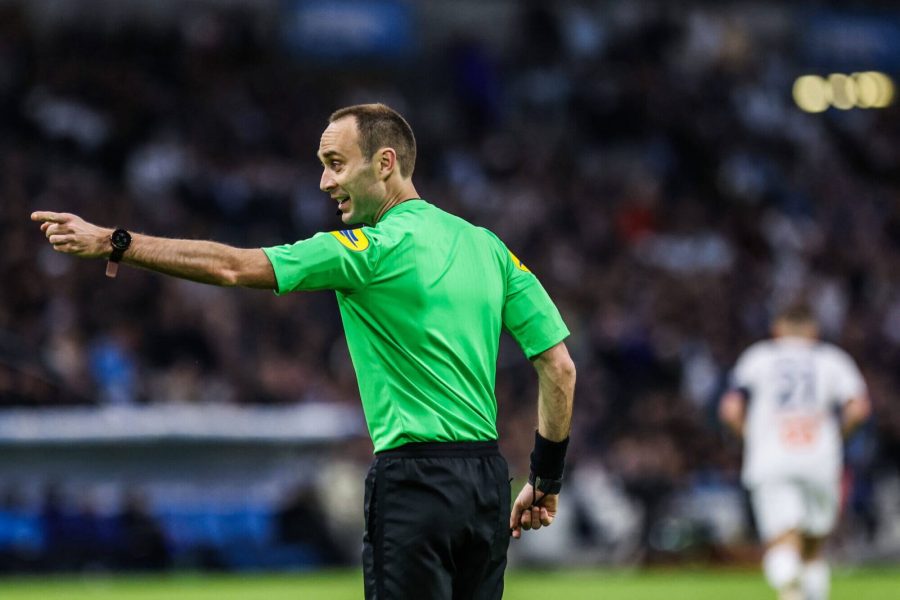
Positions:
{"x": 423, "y": 296}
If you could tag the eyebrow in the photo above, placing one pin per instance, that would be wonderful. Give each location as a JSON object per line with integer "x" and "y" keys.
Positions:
{"x": 331, "y": 154}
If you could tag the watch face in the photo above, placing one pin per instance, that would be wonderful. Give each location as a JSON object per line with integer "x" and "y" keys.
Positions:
{"x": 120, "y": 239}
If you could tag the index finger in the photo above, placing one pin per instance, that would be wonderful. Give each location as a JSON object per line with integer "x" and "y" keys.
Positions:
{"x": 48, "y": 217}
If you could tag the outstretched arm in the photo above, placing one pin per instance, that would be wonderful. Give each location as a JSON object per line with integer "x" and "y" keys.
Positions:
{"x": 196, "y": 260}
{"x": 556, "y": 390}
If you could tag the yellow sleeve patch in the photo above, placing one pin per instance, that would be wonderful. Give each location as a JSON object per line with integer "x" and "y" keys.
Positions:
{"x": 354, "y": 239}
{"x": 518, "y": 263}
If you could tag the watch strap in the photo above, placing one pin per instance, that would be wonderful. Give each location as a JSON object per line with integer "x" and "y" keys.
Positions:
{"x": 118, "y": 250}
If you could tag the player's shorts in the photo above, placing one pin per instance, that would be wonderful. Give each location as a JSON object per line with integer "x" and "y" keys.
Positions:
{"x": 806, "y": 506}
{"x": 437, "y": 522}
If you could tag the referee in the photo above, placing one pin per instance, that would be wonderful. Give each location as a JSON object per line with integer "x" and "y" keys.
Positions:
{"x": 423, "y": 296}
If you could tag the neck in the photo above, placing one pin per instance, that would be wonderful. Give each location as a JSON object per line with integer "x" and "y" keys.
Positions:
{"x": 401, "y": 195}
{"x": 798, "y": 335}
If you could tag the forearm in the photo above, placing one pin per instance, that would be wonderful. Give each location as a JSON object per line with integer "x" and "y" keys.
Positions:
{"x": 536, "y": 504}
{"x": 856, "y": 412}
{"x": 556, "y": 390}
{"x": 732, "y": 412}
{"x": 196, "y": 260}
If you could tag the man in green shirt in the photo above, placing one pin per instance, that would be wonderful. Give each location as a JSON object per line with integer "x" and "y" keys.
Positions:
{"x": 424, "y": 296}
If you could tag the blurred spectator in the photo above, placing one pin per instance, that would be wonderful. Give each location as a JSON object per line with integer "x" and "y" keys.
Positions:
{"x": 302, "y": 521}
{"x": 143, "y": 545}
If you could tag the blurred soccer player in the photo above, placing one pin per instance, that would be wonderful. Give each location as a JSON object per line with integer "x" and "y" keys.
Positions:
{"x": 792, "y": 399}
{"x": 423, "y": 296}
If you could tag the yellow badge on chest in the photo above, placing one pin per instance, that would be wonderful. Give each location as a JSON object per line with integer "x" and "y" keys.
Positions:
{"x": 518, "y": 263}
{"x": 354, "y": 239}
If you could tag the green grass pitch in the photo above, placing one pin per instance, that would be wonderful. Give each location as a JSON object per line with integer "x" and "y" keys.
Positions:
{"x": 680, "y": 584}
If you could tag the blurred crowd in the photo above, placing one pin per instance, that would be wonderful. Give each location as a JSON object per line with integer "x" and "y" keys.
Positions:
{"x": 646, "y": 162}
{"x": 69, "y": 530}
{"x": 57, "y": 536}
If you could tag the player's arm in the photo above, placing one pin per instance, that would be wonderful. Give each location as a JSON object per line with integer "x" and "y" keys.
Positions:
{"x": 196, "y": 260}
{"x": 856, "y": 411}
{"x": 556, "y": 389}
{"x": 850, "y": 387}
{"x": 733, "y": 411}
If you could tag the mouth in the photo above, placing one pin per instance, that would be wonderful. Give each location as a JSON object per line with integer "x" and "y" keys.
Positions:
{"x": 342, "y": 201}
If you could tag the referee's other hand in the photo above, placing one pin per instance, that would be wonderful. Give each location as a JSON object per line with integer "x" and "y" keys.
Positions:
{"x": 532, "y": 511}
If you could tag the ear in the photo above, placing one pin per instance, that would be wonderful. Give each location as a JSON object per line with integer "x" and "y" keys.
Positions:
{"x": 387, "y": 162}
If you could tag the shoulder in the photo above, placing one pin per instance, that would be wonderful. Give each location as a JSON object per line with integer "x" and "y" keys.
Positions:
{"x": 441, "y": 218}
{"x": 835, "y": 355}
{"x": 430, "y": 221}
{"x": 758, "y": 351}
{"x": 421, "y": 219}
{"x": 492, "y": 238}
{"x": 502, "y": 251}
{"x": 357, "y": 240}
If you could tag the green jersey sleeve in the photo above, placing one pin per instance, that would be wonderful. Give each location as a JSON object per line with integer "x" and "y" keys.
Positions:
{"x": 528, "y": 312}
{"x": 338, "y": 260}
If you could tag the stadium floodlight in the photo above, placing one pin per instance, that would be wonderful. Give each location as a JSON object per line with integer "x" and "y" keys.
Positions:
{"x": 812, "y": 93}
{"x": 869, "y": 89}
{"x": 885, "y": 89}
{"x": 843, "y": 91}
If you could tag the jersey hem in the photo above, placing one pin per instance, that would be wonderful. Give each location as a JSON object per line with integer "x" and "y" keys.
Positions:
{"x": 531, "y": 355}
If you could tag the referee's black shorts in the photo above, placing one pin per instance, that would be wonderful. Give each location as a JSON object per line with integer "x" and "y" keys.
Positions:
{"x": 437, "y": 522}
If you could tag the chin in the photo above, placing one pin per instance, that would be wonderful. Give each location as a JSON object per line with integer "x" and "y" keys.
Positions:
{"x": 352, "y": 218}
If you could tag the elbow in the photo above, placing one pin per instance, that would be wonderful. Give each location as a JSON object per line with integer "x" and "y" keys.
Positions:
{"x": 726, "y": 410}
{"x": 560, "y": 368}
{"x": 731, "y": 410}
{"x": 228, "y": 277}
{"x": 858, "y": 411}
{"x": 865, "y": 412}
{"x": 866, "y": 408}
{"x": 556, "y": 364}
{"x": 234, "y": 270}
{"x": 566, "y": 369}
{"x": 562, "y": 372}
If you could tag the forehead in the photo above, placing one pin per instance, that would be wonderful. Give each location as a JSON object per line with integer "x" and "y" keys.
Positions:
{"x": 340, "y": 137}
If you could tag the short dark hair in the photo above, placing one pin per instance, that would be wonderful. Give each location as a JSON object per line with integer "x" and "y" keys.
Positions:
{"x": 799, "y": 312}
{"x": 381, "y": 126}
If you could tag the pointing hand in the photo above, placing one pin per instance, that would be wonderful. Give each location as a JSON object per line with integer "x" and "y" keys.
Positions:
{"x": 71, "y": 234}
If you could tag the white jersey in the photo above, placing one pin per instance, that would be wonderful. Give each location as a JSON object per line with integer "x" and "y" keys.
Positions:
{"x": 796, "y": 388}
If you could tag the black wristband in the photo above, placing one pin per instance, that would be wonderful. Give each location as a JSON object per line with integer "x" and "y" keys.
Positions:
{"x": 548, "y": 459}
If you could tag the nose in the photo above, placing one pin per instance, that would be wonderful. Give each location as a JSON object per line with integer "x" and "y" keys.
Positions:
{"x": 327, "y": 183}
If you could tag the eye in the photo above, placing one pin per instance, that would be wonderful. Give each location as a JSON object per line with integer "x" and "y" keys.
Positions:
{"x": 335, "y": 165}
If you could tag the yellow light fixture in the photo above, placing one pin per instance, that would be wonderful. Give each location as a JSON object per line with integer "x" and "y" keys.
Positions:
{"x": 869, "y": 89}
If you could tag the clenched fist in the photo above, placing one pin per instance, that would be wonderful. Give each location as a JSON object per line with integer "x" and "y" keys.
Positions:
{"x": 532, "y": 510}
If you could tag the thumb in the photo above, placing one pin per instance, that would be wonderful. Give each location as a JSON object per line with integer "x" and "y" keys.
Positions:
{"x": 515, "y": 515}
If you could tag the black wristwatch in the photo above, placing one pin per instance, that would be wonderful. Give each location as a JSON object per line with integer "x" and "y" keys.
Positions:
{"x": 120, "y": 240}
{"x": 547, "y": 486}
